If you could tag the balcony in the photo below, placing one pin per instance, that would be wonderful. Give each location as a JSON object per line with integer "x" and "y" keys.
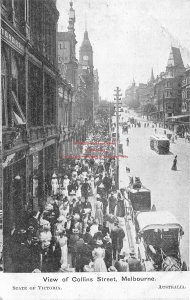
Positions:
{"x": 50, "y": 131}
{"x": 13, "y": 137}
{"x": 36, "y": 133}
{"x": 42, "y": 132}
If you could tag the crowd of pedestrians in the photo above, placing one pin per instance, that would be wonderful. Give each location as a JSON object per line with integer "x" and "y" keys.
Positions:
{"x": 79, "y": 228}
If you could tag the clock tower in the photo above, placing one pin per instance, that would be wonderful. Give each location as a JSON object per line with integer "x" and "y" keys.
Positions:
{"x": 86, "y": 55}
{"x": 86, "y": 73}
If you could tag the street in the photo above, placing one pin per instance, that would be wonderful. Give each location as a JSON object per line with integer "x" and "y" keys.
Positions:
{"x": 169, "y": 189}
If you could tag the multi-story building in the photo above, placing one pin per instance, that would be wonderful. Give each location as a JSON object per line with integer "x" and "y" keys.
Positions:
{"x": 29, "y": 105}
{"x": 68, "y": 67}
{"x": 96, "y": 88}
{"x": 130, "y": 98}
{"x": 186, "y": 92}
{"x": 168, "y": 86}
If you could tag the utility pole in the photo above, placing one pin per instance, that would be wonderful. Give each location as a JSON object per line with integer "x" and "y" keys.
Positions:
{"x": 164, "y": 109}
{"x": 117, "y": 97}
{"x": 110, "y": 131}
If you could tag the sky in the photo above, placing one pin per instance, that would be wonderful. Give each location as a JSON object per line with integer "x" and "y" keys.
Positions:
{"x": 129, "y": 37}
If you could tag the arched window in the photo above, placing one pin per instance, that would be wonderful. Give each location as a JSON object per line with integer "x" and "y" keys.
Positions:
{"x": 4, "y": 90}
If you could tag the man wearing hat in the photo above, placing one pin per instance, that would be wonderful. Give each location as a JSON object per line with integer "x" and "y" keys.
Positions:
{"x": 72, "y": 187}
{"x": 112, "y": 202}
{"x": 99, "y": 235}
{"x": 85, "y": 189}
{"x": 134, "y": 263}
{"x": 33, "y": 221}
{"x": 108, "y": 251}
{"x": 117, "y": 236}
{"x": 122, "y": 264}
{"x": 72, "y": 247}
{"x": 120, "y": 211}
{"x": 107, "y": 181}
{"x": 87, "y": 237}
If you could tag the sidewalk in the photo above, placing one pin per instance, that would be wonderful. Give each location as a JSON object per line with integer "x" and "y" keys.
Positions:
{"x": 125, "y": 223}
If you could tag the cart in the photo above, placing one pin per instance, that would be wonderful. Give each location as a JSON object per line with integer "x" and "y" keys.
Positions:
{"x": 159, "y": 234}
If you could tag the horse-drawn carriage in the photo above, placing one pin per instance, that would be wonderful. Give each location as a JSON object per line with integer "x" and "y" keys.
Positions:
{"x": 139, "y": 198}
{"x": 158, "y": 235}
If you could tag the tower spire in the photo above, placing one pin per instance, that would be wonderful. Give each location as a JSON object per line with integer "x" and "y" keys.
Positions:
{"x": 85, "y": 19}
{"x": 152, "y": 75}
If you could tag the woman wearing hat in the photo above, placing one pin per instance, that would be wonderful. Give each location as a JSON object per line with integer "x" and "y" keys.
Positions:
{"x": 99, "y": 255}
{"x": 62, "y": 240}
{"x": 54, "y": 184}
{"x": 66, "y": 182}
{"x": 174, "y": 166}
{"x": 99, "y": 210}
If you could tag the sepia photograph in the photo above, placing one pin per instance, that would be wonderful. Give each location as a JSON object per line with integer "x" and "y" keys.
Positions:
{"x": 95, "y": 137}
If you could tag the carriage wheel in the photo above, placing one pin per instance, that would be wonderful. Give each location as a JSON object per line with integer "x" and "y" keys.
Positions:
{"x": 139, "y": 254}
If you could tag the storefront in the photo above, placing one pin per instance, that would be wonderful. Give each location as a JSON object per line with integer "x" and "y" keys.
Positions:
{"x": 14, "y": 191}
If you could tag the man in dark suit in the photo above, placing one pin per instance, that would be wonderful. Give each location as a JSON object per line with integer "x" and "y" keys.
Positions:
{"x": 87, "y": 237}
{"x": 117, "y": 236}
{"x": 134, "y": 263}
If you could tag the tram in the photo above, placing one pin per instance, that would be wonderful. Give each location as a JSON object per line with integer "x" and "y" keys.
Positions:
{"x": 160, "y": 144}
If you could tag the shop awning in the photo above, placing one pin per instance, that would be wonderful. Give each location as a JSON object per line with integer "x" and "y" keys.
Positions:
{"x": 178, "y": 117}
{"x": 17, "y": 119}
{"x": 18, "y": 114}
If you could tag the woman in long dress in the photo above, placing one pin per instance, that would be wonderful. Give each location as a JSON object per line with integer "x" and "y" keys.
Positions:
{"x": 99, "y": 211}
{"x": 174, "y": 167}
{"x": 62, "y": 240}
{"x": 99, "y": 263}
{"x": 54, "y": 184}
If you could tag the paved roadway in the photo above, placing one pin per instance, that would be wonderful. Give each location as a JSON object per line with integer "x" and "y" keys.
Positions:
{"x": 170, "y": 190}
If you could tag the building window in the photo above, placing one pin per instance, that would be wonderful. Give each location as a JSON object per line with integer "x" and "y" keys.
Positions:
{"x": 14, "y": 77}
{"x": 18, "y": 117}
{"x": 35, "y": 96}
{"x": 169, "y": 107}
{"x": 188, "y": 94}
{"x": 50, "y": 100}
{"x": 167, "y": 94}
{"x": 19, "y": 8}
{"x": 66, "y": 116}
{"x": 61, "y": 45}
{"x": 4, "y": 90}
